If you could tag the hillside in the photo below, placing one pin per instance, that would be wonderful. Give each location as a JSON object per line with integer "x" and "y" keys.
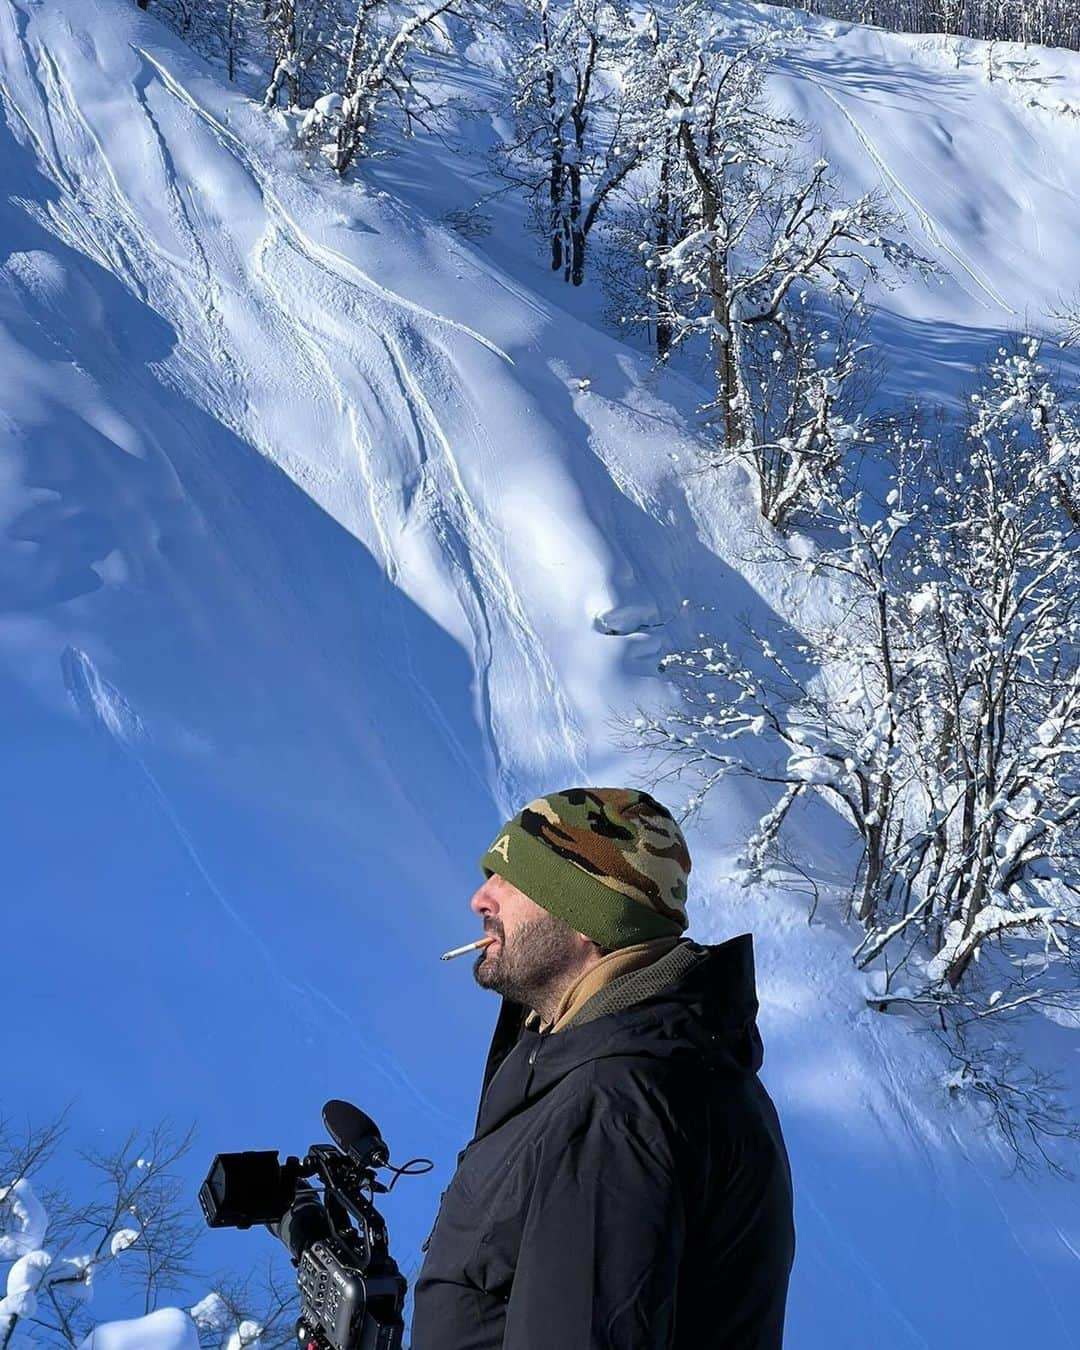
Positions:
{"x": 330, "y": 536}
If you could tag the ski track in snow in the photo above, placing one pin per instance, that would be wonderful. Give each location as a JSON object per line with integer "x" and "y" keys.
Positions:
{"x": 926, "y": 220}
{"x": 209, "y": 296}
{"x": 101, "y": 705}
{"x": 1037, "y": 1275}
{"x": 456, "y": 522}
{"x": 96, "y": 196}
{"x": 1065, "y": 1242}
{"x": 854, "y": 1255}
{"x": 322, "y": 255}
{"x": 483, "y": 576}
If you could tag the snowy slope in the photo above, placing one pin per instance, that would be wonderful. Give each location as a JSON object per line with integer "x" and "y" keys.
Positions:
{"x": 983, "y": 172}
{"x": 317, "y": 558}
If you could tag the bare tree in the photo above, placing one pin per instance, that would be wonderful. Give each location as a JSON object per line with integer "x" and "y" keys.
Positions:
{"x": 1067, "y": 317}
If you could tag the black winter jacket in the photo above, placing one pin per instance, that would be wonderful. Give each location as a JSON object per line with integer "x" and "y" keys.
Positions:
{"x": 627, "y": 1187}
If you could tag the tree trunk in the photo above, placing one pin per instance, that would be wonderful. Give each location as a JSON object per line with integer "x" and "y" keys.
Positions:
{"x": 557, "y": 168}
{"x": 726, "y": 343}
{"x": 230, "y": 38}
{"x": 575, "y": 262}
{"x": 663, "y": 240}
{"x": 555, "y": 191}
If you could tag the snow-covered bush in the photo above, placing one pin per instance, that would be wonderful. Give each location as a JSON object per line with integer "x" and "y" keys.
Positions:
{"x": 937, "y": 709}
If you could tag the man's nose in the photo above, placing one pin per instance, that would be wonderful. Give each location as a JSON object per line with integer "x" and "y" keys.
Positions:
{"x": 483, "y": 902}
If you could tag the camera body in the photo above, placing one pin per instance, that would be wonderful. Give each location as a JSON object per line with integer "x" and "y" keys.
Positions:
{"x": 343, "y": 1304}
{"x": 332, "y": 1293}
{"x": 351, "y": 1291}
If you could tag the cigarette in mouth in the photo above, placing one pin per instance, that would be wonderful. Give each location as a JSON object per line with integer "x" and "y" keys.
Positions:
{"x": 469, "y": 947}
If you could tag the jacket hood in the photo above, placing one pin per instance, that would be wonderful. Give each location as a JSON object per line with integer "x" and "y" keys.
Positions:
{"x": 708, "y": 1012}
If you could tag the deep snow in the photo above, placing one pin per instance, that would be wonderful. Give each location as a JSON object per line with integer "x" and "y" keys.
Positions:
{"x": 317, "y": 558}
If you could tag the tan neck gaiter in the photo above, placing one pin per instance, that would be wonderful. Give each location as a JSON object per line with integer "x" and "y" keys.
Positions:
{"x": 608, "y": 968}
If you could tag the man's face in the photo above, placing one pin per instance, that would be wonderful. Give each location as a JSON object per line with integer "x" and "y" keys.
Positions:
{"x": 533, "y": 952}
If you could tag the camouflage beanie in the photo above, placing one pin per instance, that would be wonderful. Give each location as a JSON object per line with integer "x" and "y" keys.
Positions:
{"x": 610, "y": 862}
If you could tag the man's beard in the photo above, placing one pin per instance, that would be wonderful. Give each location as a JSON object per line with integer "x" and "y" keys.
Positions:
{"x": 535, "y": 962}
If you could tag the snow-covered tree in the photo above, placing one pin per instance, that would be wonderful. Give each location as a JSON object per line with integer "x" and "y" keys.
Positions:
{"x": 760, "y": 258}
{"x": 937, "y": 710}
{"x": 1000, "y": 620}
{"x": 578, "y": 127}
{"x": 284, "y": 40}
{"x": 805, "y": 406}
{"x": 650, "y": 218}
{"x": 133, "y": 1236}
{"x": 1067, "y": 317}
{"x": 377, "y": 70}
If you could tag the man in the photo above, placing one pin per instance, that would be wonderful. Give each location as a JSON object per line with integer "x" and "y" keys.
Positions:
{"x": 627, "y": 1187}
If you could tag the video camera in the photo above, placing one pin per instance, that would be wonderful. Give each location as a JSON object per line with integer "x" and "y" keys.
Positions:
{"x": 351, "y": 1291}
